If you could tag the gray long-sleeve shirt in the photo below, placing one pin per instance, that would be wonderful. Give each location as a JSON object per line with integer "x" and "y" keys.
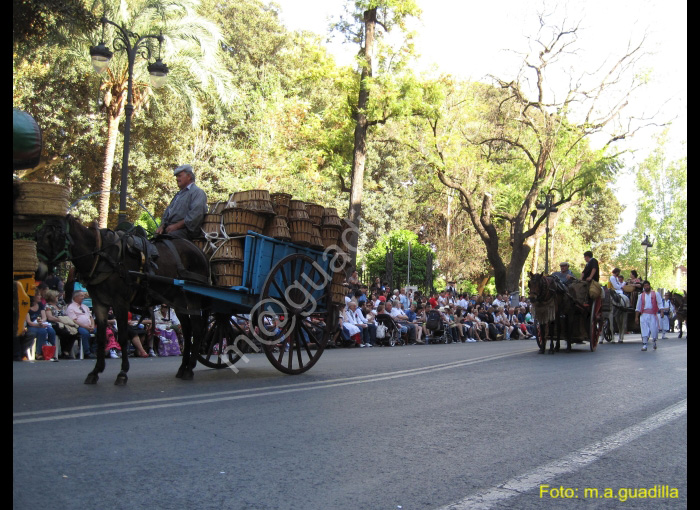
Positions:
{"x": 189, "y": 204}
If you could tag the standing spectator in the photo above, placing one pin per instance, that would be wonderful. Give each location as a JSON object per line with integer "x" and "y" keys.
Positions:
{"x": 668, "y": 311}
{"x": 648, "y": 308}
{"x": 82, "y": 316}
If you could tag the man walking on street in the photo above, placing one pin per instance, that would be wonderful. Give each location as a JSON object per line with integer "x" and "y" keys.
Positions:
{"x": 648, "y": 307}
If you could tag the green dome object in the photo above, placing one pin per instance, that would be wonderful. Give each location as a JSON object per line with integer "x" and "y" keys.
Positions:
{"x": 26, "y": 141}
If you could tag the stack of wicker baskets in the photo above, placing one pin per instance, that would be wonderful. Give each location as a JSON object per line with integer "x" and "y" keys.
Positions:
{"x": 227, "y": 263}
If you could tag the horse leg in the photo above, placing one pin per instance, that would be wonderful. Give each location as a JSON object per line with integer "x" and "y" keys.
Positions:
{"x": 182, "y": 372}
{"x": 101, "y": 337}
{"x": 550, "y": 333}
{"x": 123, "y": 334}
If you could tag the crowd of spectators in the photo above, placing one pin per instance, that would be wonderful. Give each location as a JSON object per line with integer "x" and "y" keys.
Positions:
{"x": 69, "y": 324}
{"x": 445, "y": 316}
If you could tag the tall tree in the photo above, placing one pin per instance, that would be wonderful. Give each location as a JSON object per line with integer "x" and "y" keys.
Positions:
{"x": 504, "y": 147}
{"x": 370, "y": 20}
{"x": 191, "y": 49}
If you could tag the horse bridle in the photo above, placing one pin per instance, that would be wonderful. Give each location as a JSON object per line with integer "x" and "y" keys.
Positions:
{"x": 547, "y": 295}
{"x": 65, "y": 253}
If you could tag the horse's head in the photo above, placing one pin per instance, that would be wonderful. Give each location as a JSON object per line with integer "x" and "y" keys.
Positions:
{"x": 53, "y": 242}
{"x": 536, "y": 285}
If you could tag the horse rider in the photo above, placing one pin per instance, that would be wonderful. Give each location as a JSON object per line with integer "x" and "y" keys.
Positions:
{"x": 617, "y": 285}
{"x": 184, "y": 216}
{"x": 648, "y": 307}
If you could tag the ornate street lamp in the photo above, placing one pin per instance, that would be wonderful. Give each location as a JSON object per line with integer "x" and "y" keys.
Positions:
{"x": 547, "y": 207}
{"x": 647, "y": 244}
{"x": 101, "y": 57}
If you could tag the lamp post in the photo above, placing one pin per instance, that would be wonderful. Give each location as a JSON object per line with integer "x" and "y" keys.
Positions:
{"x": 647, "y": 244}
{"x": 547, "y": 207}
{"x": 101, "y": 56}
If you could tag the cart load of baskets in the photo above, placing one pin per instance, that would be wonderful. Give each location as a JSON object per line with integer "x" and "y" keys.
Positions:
{"x": 276, "y": 215}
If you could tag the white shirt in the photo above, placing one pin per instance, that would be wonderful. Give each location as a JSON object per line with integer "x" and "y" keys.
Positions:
{"x": 617, "y": 285}
{"x": 648, "y": 301}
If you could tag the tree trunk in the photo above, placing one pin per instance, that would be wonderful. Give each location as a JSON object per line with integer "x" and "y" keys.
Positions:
{"x": 360, "y": 150}
{"x": 106, "y": 183}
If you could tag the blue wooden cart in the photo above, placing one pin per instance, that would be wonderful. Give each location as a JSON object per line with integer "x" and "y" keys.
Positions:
{"x": 284, "y": 306}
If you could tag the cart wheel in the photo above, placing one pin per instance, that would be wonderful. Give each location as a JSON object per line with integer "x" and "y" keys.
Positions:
{"x": 220, "y": 334}
{"x": 540, "y": 337}
{"x": 596, "y": 325}
{"x": 295, "y": 317}
{"x": 607, "y": 330}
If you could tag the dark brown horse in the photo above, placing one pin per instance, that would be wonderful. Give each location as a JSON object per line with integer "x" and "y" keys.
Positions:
{"x": 551, "y": 306}
{"x": 680, "y": 304}
{"x": 104, "y": 260}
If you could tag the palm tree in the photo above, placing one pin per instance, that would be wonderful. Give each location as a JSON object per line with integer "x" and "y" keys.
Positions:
{"x": 191, "y": 49}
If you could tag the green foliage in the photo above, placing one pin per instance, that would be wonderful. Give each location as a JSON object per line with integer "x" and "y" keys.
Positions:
{"x": 397, "y": 241}
{"x": 147, "y": 222}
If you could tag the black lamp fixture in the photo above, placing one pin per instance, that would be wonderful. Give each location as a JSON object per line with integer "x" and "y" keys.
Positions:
{"x": 547, "y": 207}
{"x": 101, "y": 56}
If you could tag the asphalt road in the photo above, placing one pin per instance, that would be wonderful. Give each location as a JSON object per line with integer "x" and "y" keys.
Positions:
{"x": 480, "y": 425}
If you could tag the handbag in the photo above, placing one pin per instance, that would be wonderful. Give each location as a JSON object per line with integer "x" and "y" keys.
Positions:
{"x": 381, "y": 331}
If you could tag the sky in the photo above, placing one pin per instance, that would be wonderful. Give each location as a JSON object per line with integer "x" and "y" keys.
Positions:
{"x": 470, "y": 40}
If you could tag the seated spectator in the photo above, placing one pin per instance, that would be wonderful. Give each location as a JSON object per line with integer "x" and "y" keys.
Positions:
{"x": 82, "y": 316}
{"x": 139, "y": 330}
{"x": 401, "y": 320}
{"x": 352, "y": 317}
{"x": 66, "y": 329}
{"x": 166, "y": 319}
{"x": 413, "y": 318}
{"x": 38, "y": 325}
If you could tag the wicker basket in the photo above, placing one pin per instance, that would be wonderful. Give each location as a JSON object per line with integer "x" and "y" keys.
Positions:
{"x": 212, "y": 224}
{"x": 280, "y": 203}
{"x": 231, "y": 249}
{"x": 24, "y": 257}
{"x": 316, "y": 241}
{"x": 315, "y": 213}
{"x": 331, "y": 218}
{"x": 203, "y": 244}
{"x": 276, "y": 227}
{"x": 338, "y": 290}
{"x": 42, "y": 199}
{"x": 297, "y": 210}
{"x": 301, "y": 231}
{"x": 216, "y": 207}
{"x": 330, "y": 236}
{"x": 239, "y": 221}
{"x": 227, "y": 273}
{"x": 257, "y": 200}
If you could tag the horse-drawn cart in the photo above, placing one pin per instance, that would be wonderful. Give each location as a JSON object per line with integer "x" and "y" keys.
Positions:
{"x": 581, "y": 317}
{"x": 286, "y": 305}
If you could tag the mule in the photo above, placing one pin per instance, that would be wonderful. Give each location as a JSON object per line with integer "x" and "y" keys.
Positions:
{"x": 618, "y": 316}
{"x": 680, "y": 304}
{"x": 554, "y": 307}
{"x": 104, "y": 259}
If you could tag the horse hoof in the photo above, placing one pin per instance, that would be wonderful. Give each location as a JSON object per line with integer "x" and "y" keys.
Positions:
{"x": 91, "y": 379}
{"x": 180, "y": 372}
{"x": 187, "y": 375}
{"x": 541, "y": 351}
{"x": 121, "y": 380}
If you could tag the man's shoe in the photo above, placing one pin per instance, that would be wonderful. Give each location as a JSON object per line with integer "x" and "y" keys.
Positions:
{"x": 654, "y": 344}
{"x": 644, "y": 347}
{"x": 113, "y": 354}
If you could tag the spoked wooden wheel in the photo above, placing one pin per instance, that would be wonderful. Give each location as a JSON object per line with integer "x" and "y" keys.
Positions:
{"x": 222, "y": 334}
{"x": 295, "y": 317}
{"x": 596, "y": 325}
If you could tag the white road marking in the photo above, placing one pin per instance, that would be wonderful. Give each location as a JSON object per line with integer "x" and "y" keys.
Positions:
{"x": 492, "y": 498}
{"x": 160, "y": 403}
